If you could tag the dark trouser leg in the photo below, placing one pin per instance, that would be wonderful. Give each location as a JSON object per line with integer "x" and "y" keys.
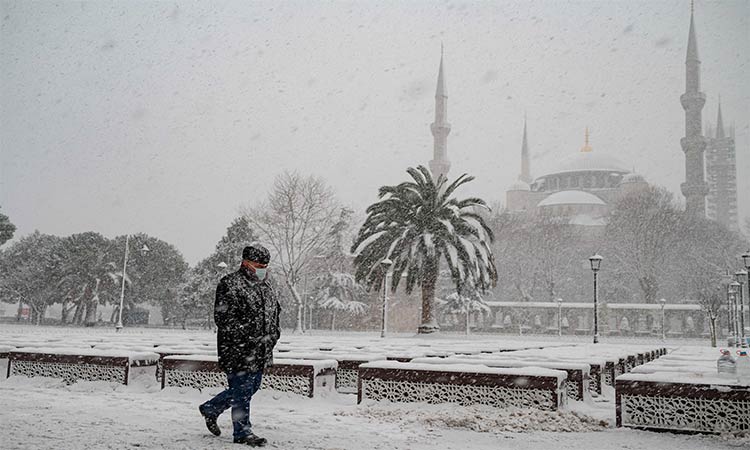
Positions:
{"x": 242, "y": 386}
{"x": 220, "y": 403}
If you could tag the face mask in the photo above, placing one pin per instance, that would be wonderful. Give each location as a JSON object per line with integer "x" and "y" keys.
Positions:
{"x": 260, "y": 273}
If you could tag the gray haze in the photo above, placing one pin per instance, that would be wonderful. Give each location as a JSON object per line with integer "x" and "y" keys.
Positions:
{"x": 164, "y": 118}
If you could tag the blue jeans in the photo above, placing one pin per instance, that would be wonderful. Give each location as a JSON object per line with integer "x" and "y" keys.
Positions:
{"x": 242, "y": 387}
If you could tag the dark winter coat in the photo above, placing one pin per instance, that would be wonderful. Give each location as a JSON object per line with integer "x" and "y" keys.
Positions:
{"x": 246, "y": 313}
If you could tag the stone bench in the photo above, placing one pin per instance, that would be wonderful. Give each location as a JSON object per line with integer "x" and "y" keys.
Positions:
{"x": 304, "y": 377}
{"x": 596, "y": 368}
{"x": 348, "y": 366}
{"x": 577, "y": 381}
{"x": 682, "y": 401}
{"x": 5, "y": 351}
{"x": 463, "y": 384}
{"x": 164, "y": 352}
{"x": 78, "y": 364}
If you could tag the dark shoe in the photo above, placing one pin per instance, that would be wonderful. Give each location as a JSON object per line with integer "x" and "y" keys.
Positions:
{"x": 251, "y": 440}
{"x": 211, "y": 424}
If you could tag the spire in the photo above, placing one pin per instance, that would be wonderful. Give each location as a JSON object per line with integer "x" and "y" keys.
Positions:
{"x": 525, "y": 163}
{"x": 692, "y": 50}
{"x": 440, "y": 128}
{"x": 586, "y": 147}
{"x": 720, "y": 124}
{"x": 441, "y": 91}
{"x": 692, "y": 60}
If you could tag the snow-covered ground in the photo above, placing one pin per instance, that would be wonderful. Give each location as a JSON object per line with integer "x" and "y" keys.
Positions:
{"x": 45, "y": 413}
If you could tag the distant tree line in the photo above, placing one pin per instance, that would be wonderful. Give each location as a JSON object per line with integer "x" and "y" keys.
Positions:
{"x": 328, "y": 270}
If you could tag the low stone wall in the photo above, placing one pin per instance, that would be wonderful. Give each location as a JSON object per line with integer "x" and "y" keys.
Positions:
{"x": 463, "y": 384}
{"x": 711, "y": 408}
{"x": 303, "y": 377}
{"x": 74, "y": 367}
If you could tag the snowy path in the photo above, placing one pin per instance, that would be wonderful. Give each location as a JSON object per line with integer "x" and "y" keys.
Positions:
{"x": 42, "y": 413}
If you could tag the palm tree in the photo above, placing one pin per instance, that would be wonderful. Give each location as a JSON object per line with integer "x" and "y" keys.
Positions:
{"x": 416, "y": 224}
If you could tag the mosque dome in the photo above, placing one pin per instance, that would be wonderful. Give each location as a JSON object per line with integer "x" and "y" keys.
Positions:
{"x": 587, "y": 160}
{"x": 571, "y": 198}
{"x": 590, "y": 162}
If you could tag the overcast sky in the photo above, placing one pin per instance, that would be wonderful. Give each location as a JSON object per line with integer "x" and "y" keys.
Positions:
{"x": 165, "y": 118}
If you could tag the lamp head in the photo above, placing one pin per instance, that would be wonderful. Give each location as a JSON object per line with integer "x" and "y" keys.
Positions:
{"x": 596, "y": 262}
{"x": 741, "y": 276}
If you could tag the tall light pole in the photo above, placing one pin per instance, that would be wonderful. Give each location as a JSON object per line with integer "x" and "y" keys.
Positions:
{"x": 663, "y": 332}
{"x": 746, "y": 263}
{"x": 386, "y": 263}
{"x": 733, "y": 289}
{"x": 741, "y": 276}
{"x": 730, "y": 307}
{"x": 145, "y": 248}
{"x": 559, "y": 316}
{"x": 596, "y": 262}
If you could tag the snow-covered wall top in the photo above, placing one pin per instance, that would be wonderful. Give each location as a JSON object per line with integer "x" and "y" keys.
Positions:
{"x": 467, "y": 368}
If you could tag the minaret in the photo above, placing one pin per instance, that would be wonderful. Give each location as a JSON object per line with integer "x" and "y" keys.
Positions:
{"x": 525, "y": 163}
{"x": 693, "y": 144}
{"x": 440, "y": 128}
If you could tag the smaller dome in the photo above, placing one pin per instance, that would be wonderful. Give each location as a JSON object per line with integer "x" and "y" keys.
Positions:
{"x": 633, "y": 177}
{"x": 519, "y": 186}
{"x": 571, "y": 198}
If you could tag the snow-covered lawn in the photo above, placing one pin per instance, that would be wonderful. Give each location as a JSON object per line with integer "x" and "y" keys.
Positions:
{"x": 40, "y": 413}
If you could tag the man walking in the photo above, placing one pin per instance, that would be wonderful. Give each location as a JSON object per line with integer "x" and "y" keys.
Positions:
{"x": 246, "y": 313}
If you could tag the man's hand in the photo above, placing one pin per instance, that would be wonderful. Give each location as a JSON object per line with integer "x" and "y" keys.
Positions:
{"x": 267, "y": 339}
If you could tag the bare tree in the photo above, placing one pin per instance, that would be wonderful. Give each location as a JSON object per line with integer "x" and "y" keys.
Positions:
{"x": 532, "y": 252}
{"x": 295, "y": 221}
{"x": 708, "y": 256}
{"x": 514, "y": 249}
{"x": 641, "y": 233}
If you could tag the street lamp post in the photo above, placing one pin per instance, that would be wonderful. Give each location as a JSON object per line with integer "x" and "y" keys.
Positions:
{"x": 596, "y": 262}
{"x": 733, "y": 289}
{"x": 741, "y": 277}
{"x": 663, "y": 331}
{"x": 145, "y": 248}
{"x": 387, "y": 263}
{"x": 730, "y": 311}
{"x": 746, "y": 263}
{"x": 559, "y": 316}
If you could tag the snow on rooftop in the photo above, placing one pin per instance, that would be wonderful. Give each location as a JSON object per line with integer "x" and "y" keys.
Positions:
{"x": 594, "y": 161}
{"x": 571, "y": 198}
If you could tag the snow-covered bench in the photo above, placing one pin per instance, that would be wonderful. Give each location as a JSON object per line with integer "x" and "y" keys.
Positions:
{"x": 304, "y": 377}
{"x": 686, "y": 400}
{"x": 5, "y": 351}
{"x": 177, "y": 351}
{"x": 577, "y": 382}
{"x": 74, "y": 364}
{"x": 348, "y": 365}
{"x": 461, "y": 383}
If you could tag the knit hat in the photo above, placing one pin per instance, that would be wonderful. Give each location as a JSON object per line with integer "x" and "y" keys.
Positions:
{"x": 256, "y": 253}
